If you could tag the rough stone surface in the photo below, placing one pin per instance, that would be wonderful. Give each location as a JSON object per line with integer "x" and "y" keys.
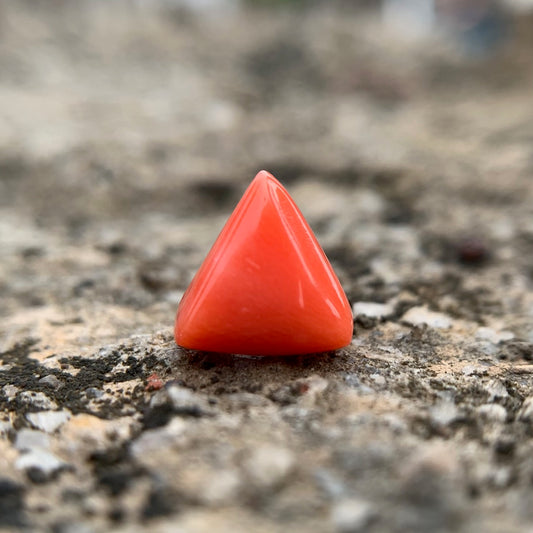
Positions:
{"x": 128, "y": 131}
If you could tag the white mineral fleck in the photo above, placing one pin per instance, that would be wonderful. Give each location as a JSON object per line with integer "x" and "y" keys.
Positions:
{"x": 444, "y": 413}
{"x": 493, "y": 335}
{"x": 30, "y": 439}
{"x": 373, "y": 309}
{"x": 222, "y": 488}
{"x": 48, "y": 421}
{"x": 417, "y": 316}
{"x": 269, "y": 465}
{"x": 352, "y": 515}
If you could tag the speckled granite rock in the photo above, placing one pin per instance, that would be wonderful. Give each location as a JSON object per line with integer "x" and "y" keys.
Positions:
{"x": 127, "y": 135}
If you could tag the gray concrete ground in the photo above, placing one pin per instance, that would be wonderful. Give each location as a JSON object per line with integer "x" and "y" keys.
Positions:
{"x": 127, "y": 134}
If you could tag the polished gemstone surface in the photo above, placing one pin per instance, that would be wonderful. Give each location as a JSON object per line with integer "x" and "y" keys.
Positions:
{"x": 266, "y": 287}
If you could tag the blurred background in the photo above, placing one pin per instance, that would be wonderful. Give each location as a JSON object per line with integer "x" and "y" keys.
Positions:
{"x": 129, "y": 129}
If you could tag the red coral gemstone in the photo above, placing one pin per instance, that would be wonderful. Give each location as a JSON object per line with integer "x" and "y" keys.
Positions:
{"x": 266, "y": 287}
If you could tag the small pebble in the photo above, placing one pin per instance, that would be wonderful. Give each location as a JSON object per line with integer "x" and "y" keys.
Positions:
{"x": 492, "y": 335}
{"x": 269, "y": 466}
{"x": 486, "y": 347}
{"x": 51, "y": 380}
{"x": 501, "y": 477}
{"x": 37, "y": 400}
{"x": 40, "y": 464}
{"x": 185, "y": 401}
{"x": 154, "y": 382}
{"x": 152, "y": 441}
{"x": 30, "y": 439}
{"x": 443, "y": 413}
{"x": 312, "y": 389}
{"x": 417, "y": 316}
{"x": 372, "y": 309}
{"x": 10, "y": 391}
{"x": 222, "y": 488}
{"x": 352, "y": 515}
{"x": 172, "y": 400}
{"x": 48, "y": 421}
{"x": 93, "y": 393}
{"x": 471, "y": 370}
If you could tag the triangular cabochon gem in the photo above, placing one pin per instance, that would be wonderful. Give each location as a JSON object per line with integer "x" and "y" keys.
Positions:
{"x": 266, "y": 287}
